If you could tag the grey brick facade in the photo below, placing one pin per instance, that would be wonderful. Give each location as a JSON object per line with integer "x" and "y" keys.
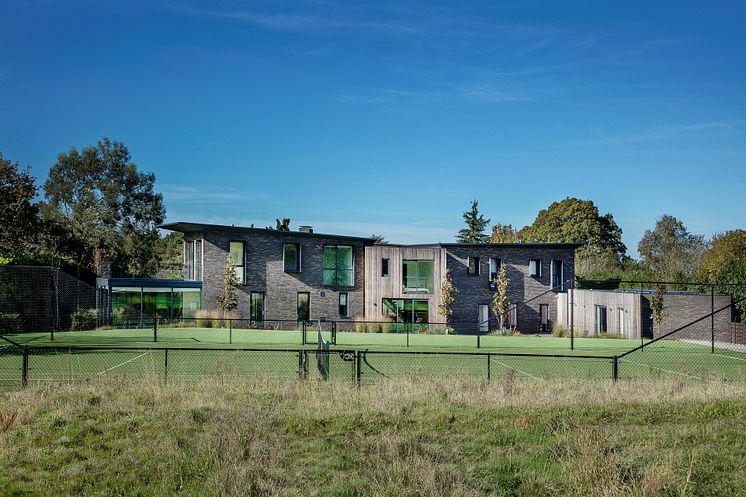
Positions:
{"x": 527, "y": 292}
{"x": 264, "y": 272}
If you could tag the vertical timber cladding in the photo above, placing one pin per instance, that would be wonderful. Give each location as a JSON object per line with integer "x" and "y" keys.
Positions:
{"x": 616, "y": 302}
{"x": 474, "y": 290}
{"x": 265, "y": 272}
{"x": 379, "y": 287}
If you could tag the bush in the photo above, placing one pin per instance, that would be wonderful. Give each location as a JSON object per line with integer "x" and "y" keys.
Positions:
{"x": 386, "y": 328}
{"x": 11, "y": 321}
{"x": 502, "y": 332}
{"x": 360, "y": 327}
{"x": 558, "y": 331}
{"x": 83, "y": 320}
{"x": 614, "y": 336}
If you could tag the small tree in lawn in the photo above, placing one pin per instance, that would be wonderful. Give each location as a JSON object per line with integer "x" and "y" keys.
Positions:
{"x": 500, "y": 304}
{"x": 658, "y": 306}
{"x": 228, "y": 298}
{"x": 447, "y": 296}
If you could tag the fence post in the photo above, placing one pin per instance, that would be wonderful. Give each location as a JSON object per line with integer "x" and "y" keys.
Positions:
{"x": 489, "y": 366}
{"x": 358, "y": 368}
{"x": 165, "y": 366}
{"x": 155, "y": 329}
{"x": 479, "y": 335}
{"x": 230, "y": 331}
{"x": 303, "y": 331}
{"x": 572, "y": 315}
{"x": 300, "y": 365}
{"x": 615, "y": 368}
{"x": 24, "y": 368}
{"x": 334, "y": 333}
{"x": 712, "y": 317}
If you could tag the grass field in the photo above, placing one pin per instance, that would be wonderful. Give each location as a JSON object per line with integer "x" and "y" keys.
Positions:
{"x": 395, "y": 438}
{"x": 195, "y": 353}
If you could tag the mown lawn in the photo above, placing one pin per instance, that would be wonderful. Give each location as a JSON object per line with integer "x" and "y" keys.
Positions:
{"x": 225, "y": 438}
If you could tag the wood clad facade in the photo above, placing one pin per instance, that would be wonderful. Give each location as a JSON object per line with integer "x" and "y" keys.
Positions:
{"x": 617, "y": 304}
{"x": 378, "y": 287}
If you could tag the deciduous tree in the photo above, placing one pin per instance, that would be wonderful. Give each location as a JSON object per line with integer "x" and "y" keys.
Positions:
{"x": 500, "y": 303}
{"x": 669, "y": 250}
{"x": 228, "y": 298}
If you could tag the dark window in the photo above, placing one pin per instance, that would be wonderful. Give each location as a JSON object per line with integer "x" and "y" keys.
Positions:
{"x": 544, "y": 317}
{"x": 304, "y": 306}
{"x": 384, "y": 267}
{"x": 257, "y": 306}
{"x": 238, "y": 258}
{"x": 338, "y": 266}
{"x": 473, "y": 266}
{"x": 343, "y": 307}
{"x": 189, "y": 259}
{"x": 601, "y": 326}
{"x": 557, "y": 278}
{"x": 495, "y": 264}
{"x": 534, "y": 268}
{"x": 291, "y": 255}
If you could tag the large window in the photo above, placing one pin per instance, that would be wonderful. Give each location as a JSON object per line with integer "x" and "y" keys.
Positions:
{"x": 601, "y": 322}
{"x": 557, "y": 276}
{"x": 494, "y": 267}
{"x": 193, "y": 259}
{"x": 534, "y": 268}
{"x": 344, "y": 308}
{"x": 338, "y": 266}
{"x": 238, "y": 258}
{"x": 257, "y": 306}
{"x": 406, "y": 314}
{"x": 131, "y": 305}
{"x": 473, "y": 266}
{"x": 292, "y": 257}
{"x": 417, "y": 276}
{"x": 304, "y": 306}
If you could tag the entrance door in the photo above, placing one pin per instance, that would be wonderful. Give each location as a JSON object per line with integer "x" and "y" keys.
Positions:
{"x": 544, "y": 317}
{"x": 484, "y": 318}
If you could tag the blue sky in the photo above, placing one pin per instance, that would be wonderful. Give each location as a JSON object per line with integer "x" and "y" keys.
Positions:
{"x": 379, "y": 117}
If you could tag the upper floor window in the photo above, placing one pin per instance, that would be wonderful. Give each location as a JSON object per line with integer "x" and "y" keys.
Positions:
{"x": 534, "y": 268}
{"x": 473, "y": 266}
{"x": 339, "y": 267}
{"x": 193, "y": 259}
{"x": 495, "y": 264}
{"x": 291, "y": 254}
{"x": 384, "y": 267}
{"x": 557, "y": 277}
{"x": 238, "y": 259}
{"x": 417, "y": 276}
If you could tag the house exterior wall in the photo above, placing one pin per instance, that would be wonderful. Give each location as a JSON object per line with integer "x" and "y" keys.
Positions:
{"x": 681, "y": 309}
{"x": 378, "y": 287}
{"x": 527, "y": 292}
{"x": 264, "y": 272}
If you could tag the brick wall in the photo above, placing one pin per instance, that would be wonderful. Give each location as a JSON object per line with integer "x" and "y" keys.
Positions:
{"x": 265, "y": 273}
{"x": 682, "y": 309}
{"x": 474, "y": 290}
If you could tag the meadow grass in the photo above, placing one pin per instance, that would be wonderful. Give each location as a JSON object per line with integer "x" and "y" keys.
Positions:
{"x": 230, "y": 437}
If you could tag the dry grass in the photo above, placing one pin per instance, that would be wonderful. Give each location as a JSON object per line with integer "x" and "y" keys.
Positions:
{"x": 227, "y": 437}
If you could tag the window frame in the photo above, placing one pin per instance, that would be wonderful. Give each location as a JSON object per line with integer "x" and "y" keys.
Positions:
{"x": 597, "y": 324}
{"x": 298, "y": 258}
{"x": 297, "y": 306}
{"x": 477, "y": 264}
{"x": 251, "y": 304}
{"x": 384, "y": 267}
{"x": 407, "y": 276}
{"x": 538, "y": 268}
{"x": 346, "y": 312}
{"x": 337, "y": 269}
{"x": 242, "y": 267}
{"x": 561, "y": 286}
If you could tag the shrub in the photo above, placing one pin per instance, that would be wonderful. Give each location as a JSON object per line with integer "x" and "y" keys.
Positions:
{"x": 516, "y": 333}
{"x": 558, "y": 331}
{"x": 83, "y": 320}
{"x": 438, "y": 331}
{"x": 360, "y": 327}
{"x": 10, "y": 321}
{"x": 502, "y": 332}
{"x": 386, "y": 328}
{"x": 204, "y": 319}
{"x": 614, "y": 336}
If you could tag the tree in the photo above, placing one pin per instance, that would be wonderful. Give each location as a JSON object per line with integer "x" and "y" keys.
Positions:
{"x": 500, "y": 304}
{"x": 228, "y": 298}
{"x": 669, "y": 250}
{"x": 19, "y": 215}
{"x": 108, "y": 205}
{"x": 475, "y": 226}
{"x": 447, "y": 295}
{"x": 504, "y": 233}
{"x": 658, "y": 307}
{"x": 724, "y": 261}
{"x": 573, "y": 220}
{"x": 283, "y": 225}
{"x": 170, "y": 256}
{"x": 379, "y": 239}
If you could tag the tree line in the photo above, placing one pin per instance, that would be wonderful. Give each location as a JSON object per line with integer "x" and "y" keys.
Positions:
{"x": 668, "y": 251}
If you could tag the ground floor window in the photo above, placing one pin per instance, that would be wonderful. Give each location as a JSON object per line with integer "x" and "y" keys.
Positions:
{"x": 256, "y": 311}
{"x": 406, "y": 310}
{"x": 544, "y": 318}
{"x": 304, "y": 306}
{"x": 601, "y": 326}
{"x": 343, "y": 305}
{"x": 132, "y": 305}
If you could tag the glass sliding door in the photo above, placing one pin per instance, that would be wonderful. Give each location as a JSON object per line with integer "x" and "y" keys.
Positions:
{"x": 407, "y": 314}
{"x": 304, "y": 306}
{"x": 156, "y": 302}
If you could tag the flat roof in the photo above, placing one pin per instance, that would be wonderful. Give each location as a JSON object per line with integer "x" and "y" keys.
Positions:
{"x": 557, "y": 245}
{"x": 148, "y": 283}
{"x": 184, "y": 227}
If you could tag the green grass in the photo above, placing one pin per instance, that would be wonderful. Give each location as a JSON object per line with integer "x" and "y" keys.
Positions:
{"x": 408, "y": 438}
{"x": 75, "y": 356}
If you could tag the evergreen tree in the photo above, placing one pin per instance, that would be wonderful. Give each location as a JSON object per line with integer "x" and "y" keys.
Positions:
{"x": 475, "y": 226}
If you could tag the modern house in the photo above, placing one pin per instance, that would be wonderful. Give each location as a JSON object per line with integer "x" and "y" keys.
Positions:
{"x": 628, "y": 313}
{"x": 305, "y": 276}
